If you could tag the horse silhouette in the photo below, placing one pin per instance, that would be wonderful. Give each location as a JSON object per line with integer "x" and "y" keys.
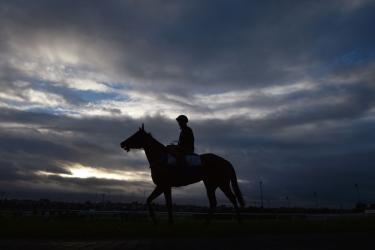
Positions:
{"x": 215, "y": 171}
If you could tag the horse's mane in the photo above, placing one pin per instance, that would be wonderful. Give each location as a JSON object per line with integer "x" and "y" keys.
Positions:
{"x": 157, "y": 142}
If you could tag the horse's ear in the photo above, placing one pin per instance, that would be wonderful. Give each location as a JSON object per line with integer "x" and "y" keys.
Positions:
{"x": 143, "y": 127}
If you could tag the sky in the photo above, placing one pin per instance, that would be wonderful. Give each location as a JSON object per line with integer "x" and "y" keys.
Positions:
{"x": 285, "y": 90}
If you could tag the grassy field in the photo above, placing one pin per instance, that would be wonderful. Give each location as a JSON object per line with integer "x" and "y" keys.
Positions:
{"x": 113, "y": 227}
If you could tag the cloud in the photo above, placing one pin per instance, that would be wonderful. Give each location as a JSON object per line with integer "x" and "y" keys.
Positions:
{"x": 284, "y": 91}
{"x": 246, "y": 44}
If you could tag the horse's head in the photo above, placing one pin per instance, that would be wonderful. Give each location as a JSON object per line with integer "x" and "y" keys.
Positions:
{"x": 137, "y": 140}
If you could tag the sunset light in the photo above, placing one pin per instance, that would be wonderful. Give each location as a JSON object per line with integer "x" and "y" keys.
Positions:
{"x": 80, "y": 171}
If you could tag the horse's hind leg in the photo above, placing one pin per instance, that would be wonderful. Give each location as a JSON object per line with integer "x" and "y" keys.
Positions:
{"x": 157, "y": 191}
{"x": 168, "y": 200}
{"x": 212, "y": 199}
{"x": 228, "y": 193}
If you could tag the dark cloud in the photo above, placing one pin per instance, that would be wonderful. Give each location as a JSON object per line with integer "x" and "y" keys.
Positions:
{"x": 216, "y": 43}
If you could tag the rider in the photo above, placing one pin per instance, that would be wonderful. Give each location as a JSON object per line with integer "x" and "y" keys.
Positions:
{"x": 186, "y": 139}
{"x": 185, "y": 144}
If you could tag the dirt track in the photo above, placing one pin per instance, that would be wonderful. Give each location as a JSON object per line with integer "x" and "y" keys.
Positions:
{"x": 279, "y": 242}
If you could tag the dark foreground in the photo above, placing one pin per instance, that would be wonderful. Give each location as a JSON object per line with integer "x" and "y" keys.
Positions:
{"x": 115, "y": 233}
{"x": 263, "y": 241}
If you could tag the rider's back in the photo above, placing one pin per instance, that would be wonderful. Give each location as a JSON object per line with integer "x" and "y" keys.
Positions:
{"x": 186, "y": 140}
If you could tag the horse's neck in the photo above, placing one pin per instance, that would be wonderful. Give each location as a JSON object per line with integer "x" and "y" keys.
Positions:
{"x": 154, "y": 152}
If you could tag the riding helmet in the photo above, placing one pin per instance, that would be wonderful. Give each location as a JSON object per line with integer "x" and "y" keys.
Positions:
{"x": 182, "y": 118}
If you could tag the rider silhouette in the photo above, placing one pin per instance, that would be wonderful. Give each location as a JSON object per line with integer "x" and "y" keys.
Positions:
{"x": 186, "y": 139}
{"x": 185, "y": 144}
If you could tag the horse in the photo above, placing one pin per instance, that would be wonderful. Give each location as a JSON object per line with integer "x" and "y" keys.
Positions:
{"x": 215, "y": 172}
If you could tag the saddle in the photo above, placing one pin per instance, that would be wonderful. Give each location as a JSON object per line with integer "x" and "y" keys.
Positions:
{"x": 190, "y": 160}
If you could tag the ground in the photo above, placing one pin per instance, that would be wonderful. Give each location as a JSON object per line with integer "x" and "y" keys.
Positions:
{"x": 187, "y": 233}
{"x": 263, "y": 241}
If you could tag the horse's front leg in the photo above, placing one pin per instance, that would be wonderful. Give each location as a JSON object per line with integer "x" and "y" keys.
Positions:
{"x": 157, "y": 191}
{"x": 168, "y": 201}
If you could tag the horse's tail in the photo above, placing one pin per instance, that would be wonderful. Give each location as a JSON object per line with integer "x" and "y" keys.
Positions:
{"x": 236, "y": 188}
